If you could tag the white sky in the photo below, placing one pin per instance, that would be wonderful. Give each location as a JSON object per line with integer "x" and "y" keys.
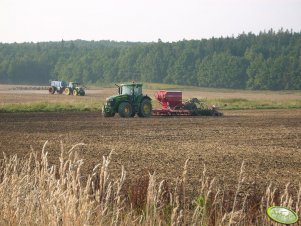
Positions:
{"x": 142, "y": 20}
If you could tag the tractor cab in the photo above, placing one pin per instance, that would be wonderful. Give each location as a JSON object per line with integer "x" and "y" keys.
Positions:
{"x": 130, "y": 89}
{"x": 73, "y": 85}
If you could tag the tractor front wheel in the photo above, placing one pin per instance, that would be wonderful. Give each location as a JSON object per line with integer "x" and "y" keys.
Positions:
{"x": 145, "y": 108}
{"x": 75, "y": 93}
{"x": 125, "y": 110}
{"x": 67, "y": 91}
{"x": 108, "y": 114}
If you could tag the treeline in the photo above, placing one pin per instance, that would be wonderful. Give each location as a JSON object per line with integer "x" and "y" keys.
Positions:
{"x": 269, "y": 60}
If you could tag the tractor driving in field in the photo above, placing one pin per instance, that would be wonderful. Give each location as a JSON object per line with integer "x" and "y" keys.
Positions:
{"x": 129, "y": 102}
{"x": 61, "y": 87}
{"x": 74, "y": 89}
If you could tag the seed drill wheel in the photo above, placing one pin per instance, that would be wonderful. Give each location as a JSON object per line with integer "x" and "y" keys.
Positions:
{"x": 51, "y": 90}
{"x": 75, "y": 93}
{"x": 145, "y": 108}
{"x": 125, "y": 110}
{"x": 67, "y": 91}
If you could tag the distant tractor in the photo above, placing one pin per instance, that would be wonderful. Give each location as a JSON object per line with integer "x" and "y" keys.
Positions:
{"x": 74, "y": 89}
{"x": 61, "y": 87}
{"x": 129, "y": 102}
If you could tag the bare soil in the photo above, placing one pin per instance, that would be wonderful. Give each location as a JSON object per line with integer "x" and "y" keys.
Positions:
{"x": 268, "y": 141}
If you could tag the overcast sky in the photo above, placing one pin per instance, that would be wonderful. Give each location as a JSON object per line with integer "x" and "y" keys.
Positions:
{"x": 142, "y": 20}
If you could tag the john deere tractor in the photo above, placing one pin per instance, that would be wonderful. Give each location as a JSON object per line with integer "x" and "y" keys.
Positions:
{"x": 74, "y": 89}
{"x": 129, "y": 102}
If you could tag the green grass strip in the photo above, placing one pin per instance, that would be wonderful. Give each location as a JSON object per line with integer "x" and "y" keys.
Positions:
{"x": 226, "y": 104}
{"x": 49, "y": 107}
{"x": 240, "y": 104}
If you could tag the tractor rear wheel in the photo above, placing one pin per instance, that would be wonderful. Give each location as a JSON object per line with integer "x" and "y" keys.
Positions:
{"x": 145, "y": 108}
{"x": 125, "y": 110}
{"x": 51, "y": 90}
{"x": 75, "y": 92}
{"x": 67, "y": 91}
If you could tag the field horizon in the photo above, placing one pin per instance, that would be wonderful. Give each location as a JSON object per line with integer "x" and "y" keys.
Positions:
{"x": 20, "y": 98}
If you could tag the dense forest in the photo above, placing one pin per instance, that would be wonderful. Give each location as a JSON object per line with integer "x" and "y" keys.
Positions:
{"x": 269, "y": 60}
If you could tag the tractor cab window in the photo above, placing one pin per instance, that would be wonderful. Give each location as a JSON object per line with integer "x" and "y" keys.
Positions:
{"x": 138, "y": 90}
{"x": 126, "y": 90}
{"x": 129, "y": 89}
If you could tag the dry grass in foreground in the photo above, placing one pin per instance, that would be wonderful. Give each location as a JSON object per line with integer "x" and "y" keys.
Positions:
{"x": 33, "y": 192}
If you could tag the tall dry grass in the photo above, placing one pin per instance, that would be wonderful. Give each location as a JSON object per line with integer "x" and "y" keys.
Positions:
{"x": 34, "y": 192}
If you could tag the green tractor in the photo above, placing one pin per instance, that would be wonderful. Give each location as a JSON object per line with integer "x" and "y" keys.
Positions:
{"x": 74, "y": 89}
{"x": 129, "y": 102}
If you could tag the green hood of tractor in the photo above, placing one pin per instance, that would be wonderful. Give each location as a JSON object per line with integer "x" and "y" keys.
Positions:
{"x": 114, "y": 101}
{"x": 117, "y": 97}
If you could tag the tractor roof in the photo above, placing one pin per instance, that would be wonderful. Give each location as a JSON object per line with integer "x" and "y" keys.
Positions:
{"x": 131, "y": 84}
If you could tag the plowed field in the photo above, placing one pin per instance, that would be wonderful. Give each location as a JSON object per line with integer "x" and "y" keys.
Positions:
{"x": 268, "y": 141}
